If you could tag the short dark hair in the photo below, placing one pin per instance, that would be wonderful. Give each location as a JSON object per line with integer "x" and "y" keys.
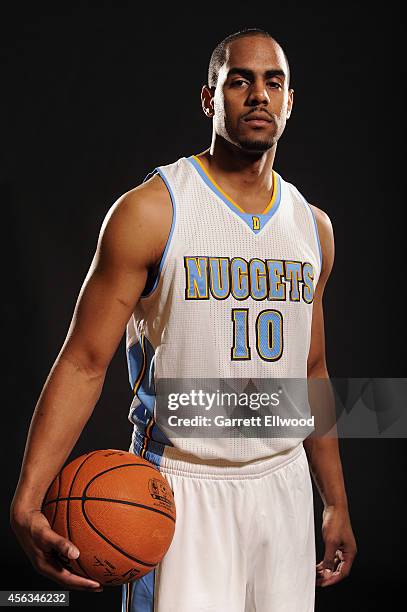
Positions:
{"x": 218, "y": 56}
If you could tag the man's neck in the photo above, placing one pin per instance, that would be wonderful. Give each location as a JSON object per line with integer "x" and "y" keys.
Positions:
{"x": 238, "y": 171}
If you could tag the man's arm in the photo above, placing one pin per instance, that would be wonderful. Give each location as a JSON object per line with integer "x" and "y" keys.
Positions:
{"x": 132, "y": 239}
{"x": 323, "y": 451}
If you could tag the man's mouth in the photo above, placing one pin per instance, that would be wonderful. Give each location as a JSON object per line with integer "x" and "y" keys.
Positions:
{"x": 258, "y": 119}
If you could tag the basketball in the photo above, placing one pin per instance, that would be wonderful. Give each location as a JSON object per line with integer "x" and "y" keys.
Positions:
{"x": 117, "y": 509}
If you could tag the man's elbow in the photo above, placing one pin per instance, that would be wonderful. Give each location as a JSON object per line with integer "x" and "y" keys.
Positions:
{"x": 317, "y": 369}
{"x": 87, "y": 363}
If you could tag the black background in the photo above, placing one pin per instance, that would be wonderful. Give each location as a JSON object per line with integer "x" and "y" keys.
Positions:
{"x": 94, "y": 96}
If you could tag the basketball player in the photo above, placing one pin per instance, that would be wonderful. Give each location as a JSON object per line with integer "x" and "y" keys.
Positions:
{"x": 217, "y": 265}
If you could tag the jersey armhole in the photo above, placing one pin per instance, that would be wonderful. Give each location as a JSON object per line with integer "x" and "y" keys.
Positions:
{"x": 316, "y": 232}
{"x": 153, "y": 276}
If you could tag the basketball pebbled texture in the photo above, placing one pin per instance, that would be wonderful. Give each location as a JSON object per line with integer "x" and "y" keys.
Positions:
{"x": 118, "y": 509}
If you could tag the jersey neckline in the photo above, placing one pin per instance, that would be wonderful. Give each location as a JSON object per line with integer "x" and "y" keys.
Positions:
{"x": 256, "y": 222}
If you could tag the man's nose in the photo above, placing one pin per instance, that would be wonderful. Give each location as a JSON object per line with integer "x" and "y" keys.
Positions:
{"x": 258, "y": 93}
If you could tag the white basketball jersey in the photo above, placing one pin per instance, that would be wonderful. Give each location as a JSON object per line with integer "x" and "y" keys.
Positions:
{"x": 232, "y": 299}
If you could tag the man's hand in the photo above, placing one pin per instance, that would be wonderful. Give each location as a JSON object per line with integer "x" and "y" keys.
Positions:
{"x": 45, "y": 548}
{"x": 340, "y": 547}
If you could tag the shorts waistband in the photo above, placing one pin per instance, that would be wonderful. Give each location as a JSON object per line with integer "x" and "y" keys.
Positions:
{"x": 227, "y": 472}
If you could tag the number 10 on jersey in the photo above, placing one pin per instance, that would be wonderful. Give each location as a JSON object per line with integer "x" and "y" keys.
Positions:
{"x": 268, "y": 329}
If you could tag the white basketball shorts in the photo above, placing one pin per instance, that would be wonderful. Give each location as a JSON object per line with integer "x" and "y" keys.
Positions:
{"x": 244, "y": 540}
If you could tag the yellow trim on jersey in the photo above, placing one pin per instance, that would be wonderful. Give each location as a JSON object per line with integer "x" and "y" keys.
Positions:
{"x": 273, "y": 194}
{"x": 143, "y": 367}
{"x": 147, "y": 436}
{"x": 128, "y": 597}
{"x": 269, "y": 205}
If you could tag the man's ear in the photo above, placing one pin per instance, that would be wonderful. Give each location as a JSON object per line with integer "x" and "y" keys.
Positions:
{"x": 207, "y": 100}
{"x": 290, "y": 102}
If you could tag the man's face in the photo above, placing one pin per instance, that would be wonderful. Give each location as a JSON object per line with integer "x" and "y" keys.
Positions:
{"x": 252, "y": 101}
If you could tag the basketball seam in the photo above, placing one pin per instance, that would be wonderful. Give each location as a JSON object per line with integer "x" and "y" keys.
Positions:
{"x": 100, "y": 534}
{"x": 123, "y": 465}
{"x": 56, "y": 505}
{"x": 85, "y": 498}
{"x": 116, "y": 467}
{"x": 67, "y": 507}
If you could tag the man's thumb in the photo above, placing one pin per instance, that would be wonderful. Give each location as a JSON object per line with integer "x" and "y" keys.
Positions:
{"x": 67, "y": 549}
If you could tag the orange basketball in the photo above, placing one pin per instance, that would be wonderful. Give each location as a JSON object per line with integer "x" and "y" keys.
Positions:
{"x": 117, "y": 509}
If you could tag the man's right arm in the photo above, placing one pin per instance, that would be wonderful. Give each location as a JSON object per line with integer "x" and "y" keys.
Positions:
{"x": 132, "y": 239}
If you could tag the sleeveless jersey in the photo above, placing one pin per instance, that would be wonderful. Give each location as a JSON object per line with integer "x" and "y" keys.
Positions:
{"x": 232, "y": 298}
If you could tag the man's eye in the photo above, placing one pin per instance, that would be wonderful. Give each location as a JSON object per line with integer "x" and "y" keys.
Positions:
{"x": 238, "y": 83}
{"x": 275, "y": 84}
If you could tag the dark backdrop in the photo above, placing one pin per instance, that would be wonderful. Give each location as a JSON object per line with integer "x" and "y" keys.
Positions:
{"x": 94, "y": 96}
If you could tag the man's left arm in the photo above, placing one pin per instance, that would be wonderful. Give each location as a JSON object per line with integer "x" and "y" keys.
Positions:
{"x": 322, "y": 450}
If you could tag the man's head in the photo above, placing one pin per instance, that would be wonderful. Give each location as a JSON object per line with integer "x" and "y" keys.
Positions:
{"x": 248, "y": 92}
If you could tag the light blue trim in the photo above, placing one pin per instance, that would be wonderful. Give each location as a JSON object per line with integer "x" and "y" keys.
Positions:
{"x": 246, "y": 217}
{"x": 142, "y": 594}
{"x": 160, "y": 172}
{"x": 317, "y": 235}
{"x": 150, "y": 175}
{"x": 124, "y": 597}
{"x": 315, "y": 227}
{"x": 154, "y": 450}
{"x": 135, "y": 363}
{"x": 142, "y": 407}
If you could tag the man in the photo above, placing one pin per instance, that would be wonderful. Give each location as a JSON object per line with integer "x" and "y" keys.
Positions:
{"x": 217, "y": 266}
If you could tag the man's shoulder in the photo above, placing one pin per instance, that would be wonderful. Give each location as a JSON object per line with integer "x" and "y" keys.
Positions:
{"x": 148, "y": 205}
{"x": 140, "y": 220}
{"x": 149, "y": 196}
{"x": 322, "y": 219}
{"x": 151, "y": 202}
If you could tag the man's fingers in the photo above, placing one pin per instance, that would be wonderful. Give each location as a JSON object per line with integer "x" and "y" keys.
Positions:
{"x": 331, "y": 548}
{"x": 337, "y": 559}
{"x": 50, "y": 553}
{"x": 329, "y": 569}
{"x": 51, "y": 567}
{"x": 46, "y": 539}
{"x": 328, "y": 578}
